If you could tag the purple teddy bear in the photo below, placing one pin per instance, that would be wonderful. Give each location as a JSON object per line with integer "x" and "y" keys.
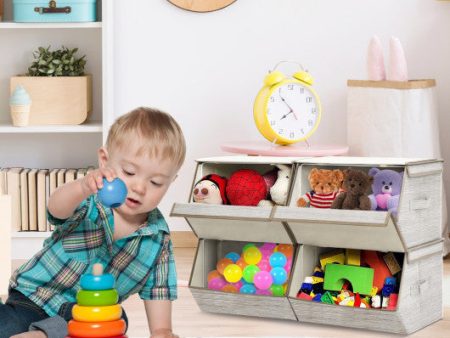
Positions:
{"x": 386, "y": 188}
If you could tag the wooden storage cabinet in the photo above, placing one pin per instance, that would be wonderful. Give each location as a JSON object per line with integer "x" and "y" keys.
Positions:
{"x": 415, "y": 233}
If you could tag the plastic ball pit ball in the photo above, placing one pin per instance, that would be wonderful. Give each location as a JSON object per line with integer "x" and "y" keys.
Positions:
{"x": 252, "y": 255}
{"x": 113, "y": 193}
{"x": 263, "y": 280}
{"x": 277, "y": 259}
{"x": 279, "y": 275}
{"x": 232, "y": 273}
{"x": 249, "y": 273}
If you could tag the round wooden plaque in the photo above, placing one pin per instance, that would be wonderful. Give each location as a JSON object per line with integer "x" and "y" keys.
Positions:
{"x": 201, "y": 5}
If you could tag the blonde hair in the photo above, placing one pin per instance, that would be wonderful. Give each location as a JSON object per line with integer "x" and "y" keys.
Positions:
{"x": 159, "y": 133}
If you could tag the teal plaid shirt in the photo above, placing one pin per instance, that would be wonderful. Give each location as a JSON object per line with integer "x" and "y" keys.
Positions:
{"x": 141, "y": 263}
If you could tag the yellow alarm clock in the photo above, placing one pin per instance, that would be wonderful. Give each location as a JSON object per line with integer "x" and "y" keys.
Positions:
{"x": 287, "y": 110}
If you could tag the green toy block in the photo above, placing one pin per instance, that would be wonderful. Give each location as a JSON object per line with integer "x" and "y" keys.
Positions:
{"x": 360, "y": 277}
{"x": 327, "y": 298}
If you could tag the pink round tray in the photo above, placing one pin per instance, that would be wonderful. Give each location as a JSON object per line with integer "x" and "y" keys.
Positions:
{"x": 300, "y": 149}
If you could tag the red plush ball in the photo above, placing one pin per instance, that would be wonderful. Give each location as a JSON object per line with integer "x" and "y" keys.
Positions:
{"x": 246, "y": 187}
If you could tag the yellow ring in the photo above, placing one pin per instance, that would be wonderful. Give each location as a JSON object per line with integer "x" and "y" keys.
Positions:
{"x": 96, "y": 313}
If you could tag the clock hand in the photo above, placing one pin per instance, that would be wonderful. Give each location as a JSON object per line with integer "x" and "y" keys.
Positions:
{"x": 287, "y": 104}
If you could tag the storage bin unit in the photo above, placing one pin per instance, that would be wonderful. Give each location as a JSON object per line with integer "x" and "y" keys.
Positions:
{"x": 222, "y": 228}
{"x": 54, "y": 11}
{"x": 416, "y": 233}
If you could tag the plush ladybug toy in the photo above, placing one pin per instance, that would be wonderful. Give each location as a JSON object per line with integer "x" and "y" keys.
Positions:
{"x": 210, "y": 190}
{"x": 246, "y": 187}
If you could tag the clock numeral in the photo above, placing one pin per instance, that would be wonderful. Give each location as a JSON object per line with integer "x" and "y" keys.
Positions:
{"x": 302, "y": 90}
{"x": 302, "y": 131}
{"x": 272, "y": 99}
{"x": 310, "y": 123}
{"x": 309, "y": 99}
{"x": 292, "y": 135}
{"x": 314, "y": 111}
{"x": 280, "y": 131}
{"x": 272, "y": 122}
{"x": 290, "y": 86}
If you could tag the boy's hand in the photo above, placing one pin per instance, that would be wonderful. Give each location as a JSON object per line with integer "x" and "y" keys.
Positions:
{"x": 93, "y": 181}
{"x": 30, "y": 334}
{"x": 163, "y": 333}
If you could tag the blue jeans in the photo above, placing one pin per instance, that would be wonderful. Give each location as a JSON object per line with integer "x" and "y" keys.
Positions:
{"x": 19, "y": 312}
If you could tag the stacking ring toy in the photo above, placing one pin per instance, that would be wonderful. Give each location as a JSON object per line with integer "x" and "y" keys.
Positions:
{"x": 97, "y": 298}
{"x": 93, "y": 282}
{"x": 95, "y": 330}
{"x": 121, "y": 336}
{"x": 96, "y": 313}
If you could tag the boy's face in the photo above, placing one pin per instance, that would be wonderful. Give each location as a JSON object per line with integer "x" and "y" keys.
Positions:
{"x": 147, "y": 179}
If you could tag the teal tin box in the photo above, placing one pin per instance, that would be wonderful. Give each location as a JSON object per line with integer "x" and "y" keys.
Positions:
{"x": 54, "y": 11}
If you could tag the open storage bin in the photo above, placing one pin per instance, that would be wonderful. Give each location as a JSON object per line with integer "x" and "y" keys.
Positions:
{"x": 225, "y": 227}
{"x": 415, "y": 232}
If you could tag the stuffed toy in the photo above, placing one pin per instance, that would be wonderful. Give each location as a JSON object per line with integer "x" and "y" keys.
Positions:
{"x": 325, "y": 185}
{"x": 278, "y": 192}
{"x": 386, "y": 188}
{"x": 210, "y": 190}
{"x": 246, "y": 187}
{"x": 354, "y": 197}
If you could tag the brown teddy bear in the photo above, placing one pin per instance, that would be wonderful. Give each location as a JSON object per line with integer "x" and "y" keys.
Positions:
{"x": 325, "y": 185}
{"x": 354, "y": 197}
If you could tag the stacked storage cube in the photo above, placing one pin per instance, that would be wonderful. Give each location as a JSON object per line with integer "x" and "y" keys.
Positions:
{"x": 97, "y": 313}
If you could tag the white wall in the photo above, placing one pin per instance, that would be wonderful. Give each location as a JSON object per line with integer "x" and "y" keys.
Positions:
{"x": 205, "y": 69}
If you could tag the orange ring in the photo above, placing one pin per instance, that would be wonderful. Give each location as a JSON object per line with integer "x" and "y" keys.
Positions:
{"x": 96, "y": 330}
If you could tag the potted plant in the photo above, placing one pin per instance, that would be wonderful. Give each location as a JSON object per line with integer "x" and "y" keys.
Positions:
{"x": 60, "y": 91}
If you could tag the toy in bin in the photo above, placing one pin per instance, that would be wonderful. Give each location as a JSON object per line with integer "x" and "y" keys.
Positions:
{"x": 262, "y": 270}
{"x": 97, "y": 313}
{"x": 364, "y": 280}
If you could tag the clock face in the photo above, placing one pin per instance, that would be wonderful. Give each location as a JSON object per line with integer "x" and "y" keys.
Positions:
{"x": 293, "y": 111}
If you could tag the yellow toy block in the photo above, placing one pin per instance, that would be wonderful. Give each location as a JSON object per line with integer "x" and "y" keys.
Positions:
{"x": 335, "y": 256}
{"x": 352, "y": 257}
{"x": 374, "y": 291}
{"x": 317, "y": 280}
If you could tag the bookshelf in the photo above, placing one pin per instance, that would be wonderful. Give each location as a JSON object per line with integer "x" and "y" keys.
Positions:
{"x": 56, "y": 146}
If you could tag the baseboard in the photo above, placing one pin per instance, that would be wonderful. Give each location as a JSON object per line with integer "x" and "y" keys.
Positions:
{"x": 183, "y": 239}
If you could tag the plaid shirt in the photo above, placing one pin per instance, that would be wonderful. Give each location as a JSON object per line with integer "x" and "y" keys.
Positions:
{"x": 141, "y": 263}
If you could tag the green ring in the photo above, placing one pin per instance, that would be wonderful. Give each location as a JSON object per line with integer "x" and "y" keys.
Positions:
{"x": 97, "y": 298}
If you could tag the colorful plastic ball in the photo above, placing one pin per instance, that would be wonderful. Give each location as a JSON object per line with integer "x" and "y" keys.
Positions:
{"x": 248, "y": 245}
{"x": 264, "y": 292}
{"x": 234, "y": 256}
{"x": 230, "y": 288}
{"x": 263, "y": 280}
{"x": 216, "y": 284}
{"x": 249, "y": 273}
{"x": 238, "y": 285}
{"x": 222, "y": 264}
{"x": 288, "y": 266}
{"x": 241, "y": 263}
{"x": 277, "y": 290}
{"x": 232, "y": 273}
{"x": 213, "y": 274}
{"x": 113, "y": 193}
{"x": 97, "y": 298}
{"x": 252, "y": 255}
{"x": 92, "y": 282}
{"x": 264, "y": 264}
{"x": 279, "y": 275}
{"x": 268, "y": 246}
{"x": 277, "y": 259}
{"x": 248, "y": 289}
{"x": 286, "y": 249}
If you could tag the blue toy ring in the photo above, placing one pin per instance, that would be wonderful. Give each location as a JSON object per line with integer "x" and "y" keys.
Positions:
{"x": 92, "y": 282}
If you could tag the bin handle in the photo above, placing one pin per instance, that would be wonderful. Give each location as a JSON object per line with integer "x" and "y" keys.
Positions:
{"x": 51, "y": 9}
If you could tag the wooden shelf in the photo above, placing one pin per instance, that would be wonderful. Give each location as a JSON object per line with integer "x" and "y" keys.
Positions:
{"x": 31, "y": 25}
{"x": 31, "y": 234}
{"x": 89, "y": 127}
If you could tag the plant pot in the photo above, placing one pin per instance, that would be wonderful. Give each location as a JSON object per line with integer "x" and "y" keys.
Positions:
{"x": 57, "y": 100}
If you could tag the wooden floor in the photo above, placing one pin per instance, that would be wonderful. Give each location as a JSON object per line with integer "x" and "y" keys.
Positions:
{"x": 189, "y": 321}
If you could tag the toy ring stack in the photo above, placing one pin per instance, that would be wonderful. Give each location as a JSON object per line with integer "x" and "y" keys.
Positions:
{"x": 97, "y": 313}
